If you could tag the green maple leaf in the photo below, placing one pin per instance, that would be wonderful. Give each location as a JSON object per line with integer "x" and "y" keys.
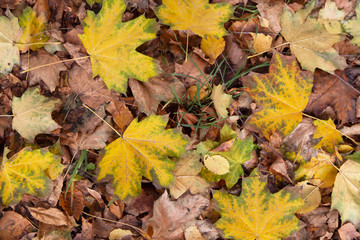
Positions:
{"x": 112, "y": 45}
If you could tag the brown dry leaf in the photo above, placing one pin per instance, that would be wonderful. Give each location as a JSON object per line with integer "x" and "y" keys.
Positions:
{"x": 122, "y": 116}
{"x": 142, "y": 203}
{"x": 4, "y": 122}
{"x": 142, "y": 4}
{"x": 74, "y": 202}
{"x": 9, "y": 3}
{"x": 192, "y": 70}
{"x": 330, "y": 90}
{"x": 170, "y": 218}
{"x": 348, "y": 232}
{"x": 149, "y": 94}
{"x": 42, "y": 6}
{"x": 13, "y": 226}
{"x": 271, "y": 10}
{"x": 51, "y": 216}
{"x": 234, "y": 53}
{"x": 232, "y": 2}
{"x": 278, "y": 167}
{"x": 91, "y": 92}
{"x": 49, "y": 74}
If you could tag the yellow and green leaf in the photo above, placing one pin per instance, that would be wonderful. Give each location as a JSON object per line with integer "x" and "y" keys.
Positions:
{"x": 258, "y": 214}
{"x": 328, "y": 135}
{"x": 310, "y": 41}
{"x": 221, "y": 100}
{"x": 32, "y": 114}
{"x": 282, "y": 94}
{"x": 25, "y": 172}
{"x": 112, "y": 45}
{"x": 10, "y": 33}
{"x": 353, "y": 26}
{"x": 143, "y": 150}
{"x": 34, "y": 36}
{"x": 198, "y": 16}
{"x": 346, "y": 193}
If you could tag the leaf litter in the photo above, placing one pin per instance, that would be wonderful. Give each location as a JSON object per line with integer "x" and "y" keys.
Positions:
{"x": 223, "y": 119}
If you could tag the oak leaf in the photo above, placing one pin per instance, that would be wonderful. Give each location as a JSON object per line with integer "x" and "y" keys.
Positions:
{"x": 143, "y": 150}
{"x": 257, "y": 214}
{"x": 310, "y": 41}
{"x": 25, "y": 172}
{"x": 186, "y": 171}
{"x": 32, "y": 114}
{"x": 282, "y": 93}
{"x": 346, "y": 193}
{"x": 10, "y": 33}
{"x": 198, "y": 16}
{"x": 328, "y": 134}
{"x": 34, "y": 36}
{"x": 112, "y": 45}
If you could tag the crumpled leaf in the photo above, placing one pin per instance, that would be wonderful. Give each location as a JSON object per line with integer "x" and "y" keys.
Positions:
{"x": 198, "y": 16}
{"x": 221, "y": 100}
{"x": 257, "y": 214}
{"x": 271, "y": 10}
{"x": 170, "y": 218}
{"x": 10, "y": 33}
{"x": 111, "y": 45}
{"x": 186, "y": 171}
{"x": 25, "y": 172}
{"x": 328, "y": 134}
{"x": 34, "y": 30}
{"x": 148, "y": 95}
{"x": 32, "y": 114}
{"x": 212, "y": 47}
{"x": 283, "y": 94}
{"x": 353, "y": 26}
{"x": 143, "y": 150}
{"x": 346, "y": 193}
{"x": 310, "y": 41}
{"x": 49, "y": 75}
{"x": 331, "y": 16}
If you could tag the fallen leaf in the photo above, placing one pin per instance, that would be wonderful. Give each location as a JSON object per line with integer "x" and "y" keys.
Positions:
{"x": 328, "y": 134}
{"x": 198, "y": 16}
{"x": 25, "y": 173}
{"x": 348, "y": 232}
{"x": 187, "y": 169}
{"x": 51, "y": 216}
{"x": 262, "y": 42}
{"x": 92, "y": 92}
{"x": 32, "y": 114}
{"x": 73, "y": 204}
{"x": 271, "y": 10}
{"x": 140, "y": 153}
{"x": 331, "y": 16}
{"x": 118, "y": 234}
{"x": 212, "y": 47}
{"x": 352, "y": 26}
{"x": 310, "y": 41}
{"x": 221, "y": 100}
{"x": 193, "y": 233}
{"x": 122, "y": 116}
{"x": 34, "y": 26}
{"x": 346, "y": 193}
{"x": 311, "y": 195}
{"x": 257, "y": 214}
{"x": 111, "y": 45}
{"x": 326, "y": 93}
{"x": 10, "y": 33}
{"x": 13, "y": 226}
{"x": 148, "y": 95}
{"x": 282, "y": 93}
{"x": 49, "y": 75}
{"x": 170, "y": 218}
{"x": 216, "y": 164}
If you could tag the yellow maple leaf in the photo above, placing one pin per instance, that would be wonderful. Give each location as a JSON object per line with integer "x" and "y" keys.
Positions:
{"x": 32, "y": 114}
{"x": 257, "y": 214}
{"x": 212, "y": 47}
{"x": 283, "y": 94}
{"x": 197, "y": 16}
{"x": 328, "y": 134}
{"x": 310, "y": 41}
{"x": 111, "y": 45}
{"x": 34, "y": 36}
{"x": 143, "y": 150}
{"x": 25, "y": 172}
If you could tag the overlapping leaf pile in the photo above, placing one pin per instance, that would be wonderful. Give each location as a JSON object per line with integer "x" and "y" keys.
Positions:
{"x": 193, "y": 119}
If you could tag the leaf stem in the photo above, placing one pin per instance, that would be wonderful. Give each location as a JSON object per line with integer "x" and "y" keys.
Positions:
{"x": 7, "y": 115}
{"x": 101, "y": 119}
{"x": 53, "y": 63}
{"x": 323, "y": 122}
